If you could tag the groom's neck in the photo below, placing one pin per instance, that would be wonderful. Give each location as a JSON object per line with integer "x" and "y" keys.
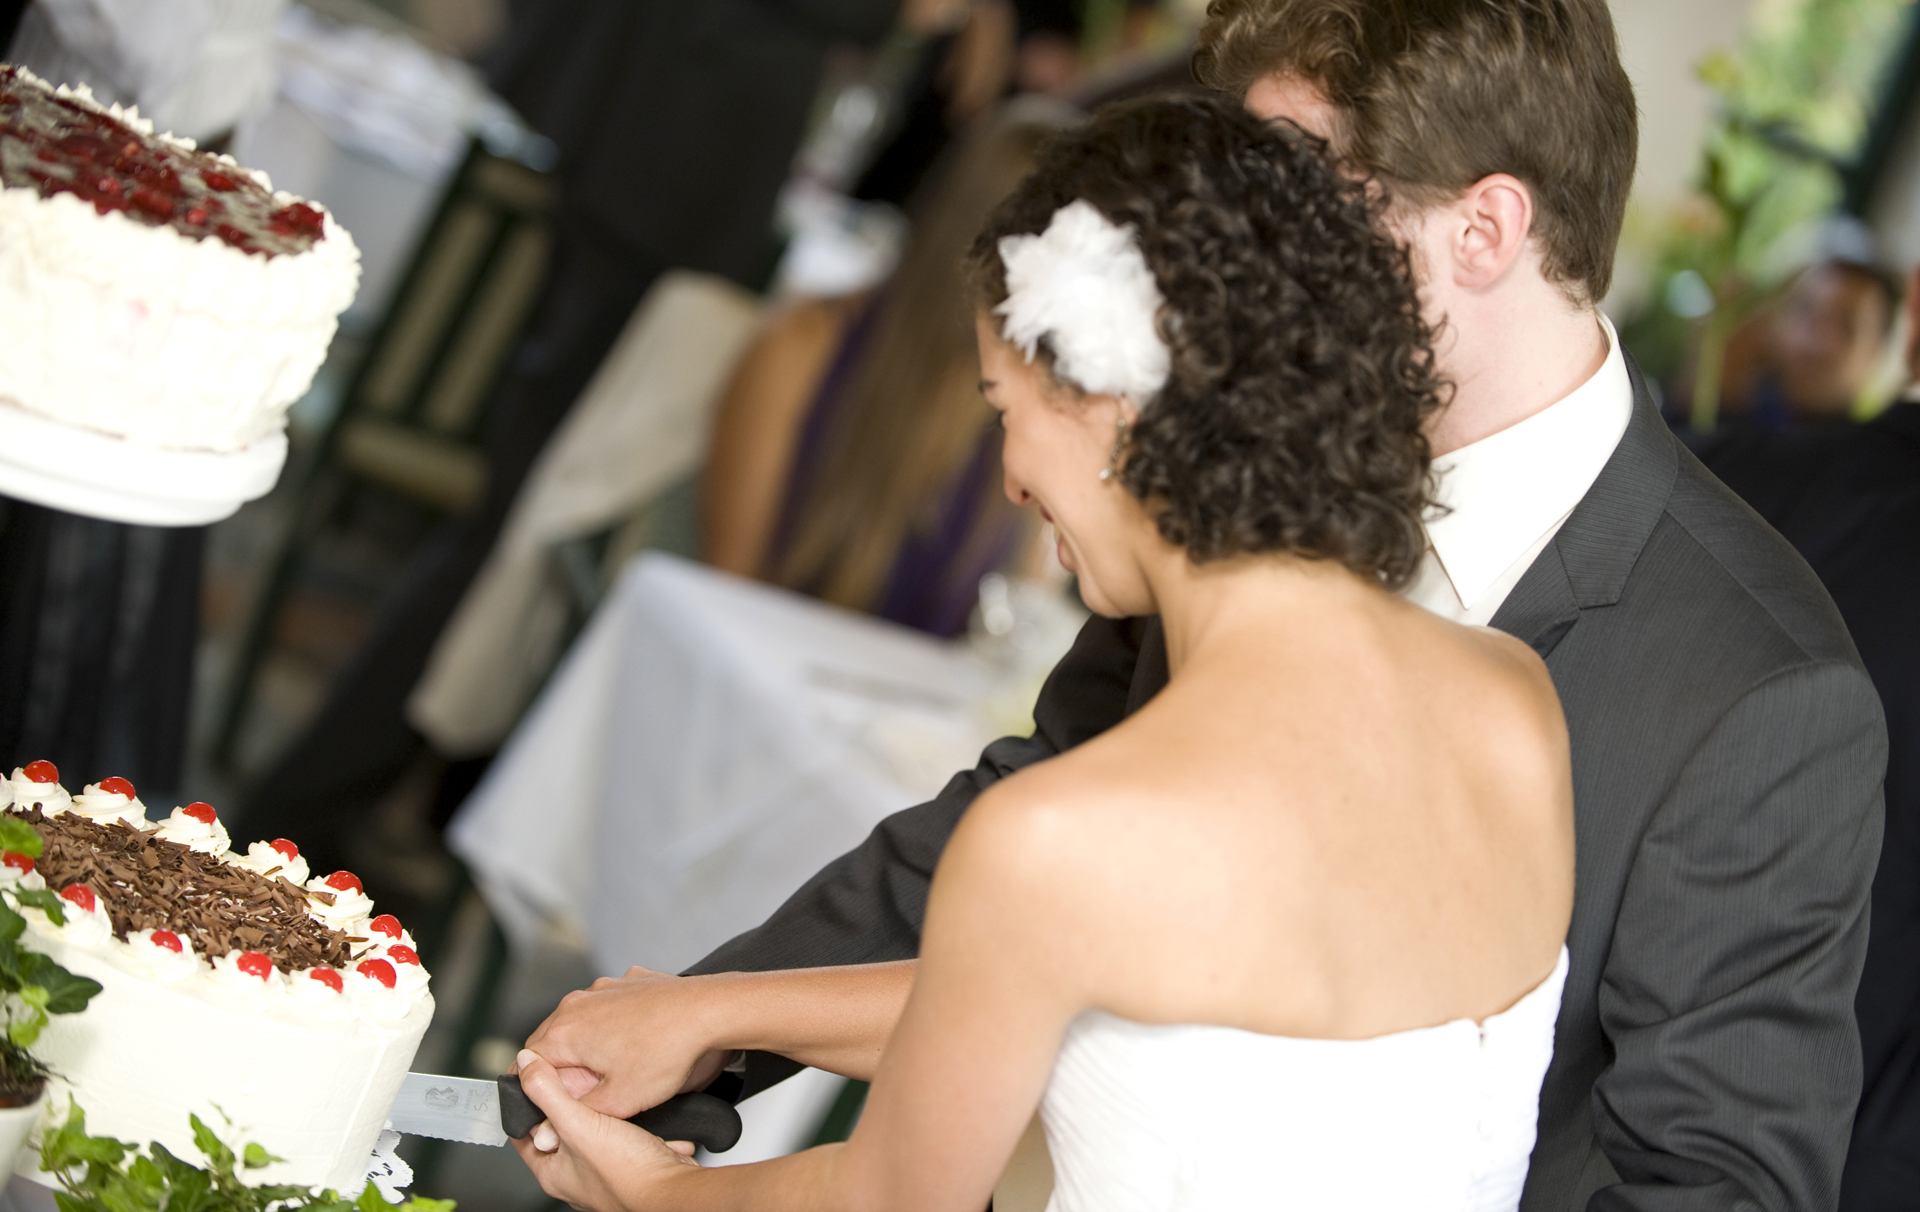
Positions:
{"x": 1510, "y": 354}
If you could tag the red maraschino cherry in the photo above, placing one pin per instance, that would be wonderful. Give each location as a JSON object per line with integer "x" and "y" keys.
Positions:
{"x": 203, "y": 813}
{"x": 16, "y": 860}
{"x": 403, "y": 955}
{"x": 117, "y": 786}
{"x": 386, "y": 924}
{"x": 343, "y": 881}
{"x": 379, "y": 970}
{"x": 254, "y": 964}
{"x": 284, "y": 848}
{"x": 169, "y": 940}
{"x": 81, "y": 896}
{"x": 41, "y": 772}
{"x": 329, "y": 978}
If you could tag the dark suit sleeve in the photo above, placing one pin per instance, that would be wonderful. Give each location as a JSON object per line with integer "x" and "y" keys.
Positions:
{"x": 866, "y": 906}
{"x": 1728, "y": 991}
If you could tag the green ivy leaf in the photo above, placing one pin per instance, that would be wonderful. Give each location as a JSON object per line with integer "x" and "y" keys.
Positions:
{"x": 190, "y": 1192}
{"x": 74, "y": 1203}
{"x": 20, "y": 837}
{"x": 421, "y": 1203}
{"x": 254, "y": 1157}
{"x": 219, "y": 1157}
{"x": 11, "y": 924}
{"x": 46, "y": 900}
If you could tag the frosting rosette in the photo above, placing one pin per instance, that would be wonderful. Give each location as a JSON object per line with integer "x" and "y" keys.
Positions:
{"x": 338, "y": 900}
{"x": 157, "y": 955}
{"x": 111, "y": 800}
{"x": 85, "y": 923}
{"x": 244, "y": 978}
{"x": 280, "y": 859}
{"x": 38, "y": 788}
{"x": 374, "y": 986}
{"x": 320, "y": 994}
{"x": 196, "y": 827}
{"x": 17, "y": 871}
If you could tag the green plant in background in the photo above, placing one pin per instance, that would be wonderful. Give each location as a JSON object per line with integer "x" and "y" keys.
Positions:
{"x": 1795, "y": 101}
{"x": 32, "y": 984}
{"x": 100, "y": 1174}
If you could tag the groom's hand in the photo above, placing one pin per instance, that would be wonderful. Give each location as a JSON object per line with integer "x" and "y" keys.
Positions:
{"x": 629, "y": 1043}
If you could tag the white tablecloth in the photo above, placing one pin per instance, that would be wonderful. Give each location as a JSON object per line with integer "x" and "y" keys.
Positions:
{"x": 707, "y": 744}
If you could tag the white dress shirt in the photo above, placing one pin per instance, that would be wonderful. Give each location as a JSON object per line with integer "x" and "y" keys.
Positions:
{"x": 1507, "y": 495}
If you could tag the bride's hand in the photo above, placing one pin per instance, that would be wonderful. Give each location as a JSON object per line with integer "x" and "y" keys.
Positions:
{"x": 628, "y": 1043}
{"x": 591, "y": 1160}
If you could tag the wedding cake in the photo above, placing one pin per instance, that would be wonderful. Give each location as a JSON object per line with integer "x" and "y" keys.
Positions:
{"x": 156, "y": 296}
{"x": 241, "y": 988}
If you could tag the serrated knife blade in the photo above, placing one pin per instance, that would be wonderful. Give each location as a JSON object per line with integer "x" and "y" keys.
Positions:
{"x": 461, "y": 1109}
{"x": 470, "y": 1110}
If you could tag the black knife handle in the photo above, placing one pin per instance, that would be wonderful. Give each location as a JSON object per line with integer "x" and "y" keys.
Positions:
{"x": 707, "y": 1121}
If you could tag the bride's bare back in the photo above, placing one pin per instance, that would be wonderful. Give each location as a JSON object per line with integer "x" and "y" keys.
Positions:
{"x": 1349, "y": 820}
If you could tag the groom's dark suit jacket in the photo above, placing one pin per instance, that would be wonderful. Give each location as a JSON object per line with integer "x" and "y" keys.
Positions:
{"x": 1727, "y": 760}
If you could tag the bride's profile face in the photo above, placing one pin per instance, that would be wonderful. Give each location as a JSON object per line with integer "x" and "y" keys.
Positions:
{"x": 1057, "y": 443}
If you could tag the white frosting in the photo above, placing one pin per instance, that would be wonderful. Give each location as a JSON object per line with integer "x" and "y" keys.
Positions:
{"x": 141, "y": 956}
{"x": 348, "y": 907}
{"x": 411, "y": 976}
{"x": 261, "y": 857}
{"x": 318, "y": 1001}
{"x": 226, "y": 982}
{"x": 155, "y": 336}
{"x": 50, "y": 798}
{"x": 194, "y": 833}
{"x": 105, "y": 807}
{"x": 374, "y": 1000}
{"x": 383, "y": 941}
{"x": 138, "y": 1063}
{"x": 13, "y": 877}
{"x": 79, "y": 927}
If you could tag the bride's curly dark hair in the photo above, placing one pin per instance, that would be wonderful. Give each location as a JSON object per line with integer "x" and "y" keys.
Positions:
{"x": 1301, "y": 368}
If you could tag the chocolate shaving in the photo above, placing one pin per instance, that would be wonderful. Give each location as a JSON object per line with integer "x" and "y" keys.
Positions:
{"x": 147, "y": 883}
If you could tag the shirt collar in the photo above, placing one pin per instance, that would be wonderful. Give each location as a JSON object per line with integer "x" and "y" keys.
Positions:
{"x": 1504, "y": 492}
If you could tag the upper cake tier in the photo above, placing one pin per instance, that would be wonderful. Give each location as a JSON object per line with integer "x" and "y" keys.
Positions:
{"x": 154, "y": 292}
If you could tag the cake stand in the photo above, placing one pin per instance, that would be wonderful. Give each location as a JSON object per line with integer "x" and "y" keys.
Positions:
{"x": 97, "y": 474}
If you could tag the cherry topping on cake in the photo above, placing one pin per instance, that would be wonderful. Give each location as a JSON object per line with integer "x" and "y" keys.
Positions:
{"x": 203, "y": 813}
{"x": 117, "y": 786}
{"x": 169, "y": 940}
{"x": 329, "y": 978}
{"x": 386, "y": 924}
{"x": 284, "y": 848}
{"x": 344, "y": 881}
{"x": 218, "y": 181}
{"x": 254, "y": 964}
{"x": 16, "y": 860}
{"x": 379, "y": 970}
{"x": 80, "y": 896}
{"x": 403, "y": 955}
{"x": 41, "y": 772}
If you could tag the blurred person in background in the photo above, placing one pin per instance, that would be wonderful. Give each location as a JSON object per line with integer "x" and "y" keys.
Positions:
{"x": 1807, "y": 359}
{"x": 1848, "y": 498}
{"x": 853, "y": 455}
{"x": 676, "y": 125}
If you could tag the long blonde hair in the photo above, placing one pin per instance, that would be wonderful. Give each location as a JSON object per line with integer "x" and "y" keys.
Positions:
{"x": 912, "y": 416}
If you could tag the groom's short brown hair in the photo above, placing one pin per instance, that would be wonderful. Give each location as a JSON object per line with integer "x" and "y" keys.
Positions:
{"x": 1434, "y": 95}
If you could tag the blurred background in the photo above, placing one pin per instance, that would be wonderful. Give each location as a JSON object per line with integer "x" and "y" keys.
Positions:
{"x": 642, "y": 541}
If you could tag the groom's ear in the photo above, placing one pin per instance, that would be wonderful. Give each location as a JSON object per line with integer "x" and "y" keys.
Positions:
{"x": 1486, "y": 230}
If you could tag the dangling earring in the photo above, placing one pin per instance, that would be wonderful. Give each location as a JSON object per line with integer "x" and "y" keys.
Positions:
{"x": 1119, "y": 441}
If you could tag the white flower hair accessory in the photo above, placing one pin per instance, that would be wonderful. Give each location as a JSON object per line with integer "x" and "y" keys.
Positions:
{"x": 1084, "y": 285}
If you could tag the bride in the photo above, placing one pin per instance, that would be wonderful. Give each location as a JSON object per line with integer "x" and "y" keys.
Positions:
{"x": 1290, "y": 935}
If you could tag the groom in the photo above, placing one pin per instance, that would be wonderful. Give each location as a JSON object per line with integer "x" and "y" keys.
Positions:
{"x": 1727, "y": 747}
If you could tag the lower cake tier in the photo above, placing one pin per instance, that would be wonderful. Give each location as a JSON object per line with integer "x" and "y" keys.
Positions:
{"x": 144, "y": 1056}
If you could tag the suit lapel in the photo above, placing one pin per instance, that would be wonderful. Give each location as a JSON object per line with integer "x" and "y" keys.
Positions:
{"x": 1587, "y": 564}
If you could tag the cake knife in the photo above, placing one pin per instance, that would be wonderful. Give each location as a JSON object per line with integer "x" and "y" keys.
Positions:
{"x": 475, "y": 1111}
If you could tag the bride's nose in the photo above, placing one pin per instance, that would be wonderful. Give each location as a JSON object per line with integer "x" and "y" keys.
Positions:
{"x": 1015, "y": 493}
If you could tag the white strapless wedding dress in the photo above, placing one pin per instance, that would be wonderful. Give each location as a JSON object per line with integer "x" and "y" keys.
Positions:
{"x": 1144, "y": 1118}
